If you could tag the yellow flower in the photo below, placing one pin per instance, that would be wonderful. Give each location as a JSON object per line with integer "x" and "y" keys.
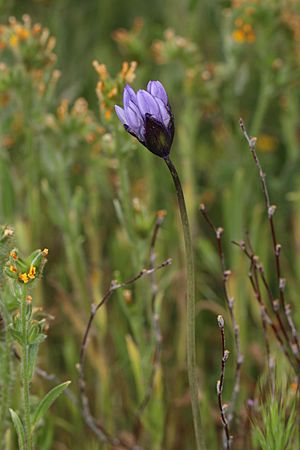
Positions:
{"x": 13, "y": 255}
{"x": 12, "y": 268}
{"x": 24, "y": 277}
{"x": 14, "y": 40}
{"x": 22, "y": 33}
{"x": 238, "y": 36}
{"x": 32, "y": 272}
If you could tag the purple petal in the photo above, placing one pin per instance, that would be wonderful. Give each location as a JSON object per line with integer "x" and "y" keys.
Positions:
{"x": 156, "y": 89}
{"x": 134, "y": 120}
{"x": 135, "y": 108}
{"x": 147, "y": 104}
{"x": 164, "y": 112}
{"x": 121, "y": 114}
{"x": 129, "y": 95}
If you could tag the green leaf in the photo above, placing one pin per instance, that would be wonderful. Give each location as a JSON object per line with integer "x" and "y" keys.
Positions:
{"x": 32, "y": 355}
{"x": 136, "y": 364}
{"x": 47, "y": 401}
{"x": 19, "y": 428}
{"x": 16, "y": 335}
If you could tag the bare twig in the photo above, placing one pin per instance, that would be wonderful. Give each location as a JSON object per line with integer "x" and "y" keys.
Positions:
{"x": 230, "y": 303}
{"x": 255, "y": 268}
{"x": 263, "y": 310}
{"x": 220, "y": 384}
{"x": 276, "y": 246}
{"x": 155, "y": 316}
{"x": 98, "y": 429}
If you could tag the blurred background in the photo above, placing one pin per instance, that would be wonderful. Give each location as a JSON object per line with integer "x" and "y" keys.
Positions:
{"x": 73, "y": 181}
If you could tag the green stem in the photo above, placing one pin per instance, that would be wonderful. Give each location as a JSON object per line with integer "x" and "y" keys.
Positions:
{"x": 5, "y": 376}
{"x": 25, "y": 372}
{"x": 191, "y": 338}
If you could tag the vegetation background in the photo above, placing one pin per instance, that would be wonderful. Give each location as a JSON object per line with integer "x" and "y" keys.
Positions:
{"x": 73, "y": 181}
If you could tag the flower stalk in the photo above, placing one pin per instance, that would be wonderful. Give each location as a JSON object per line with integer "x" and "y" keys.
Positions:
{"x": 191, "y": 338}
{"x": 25, "y": 369}
{"x": 5, "y": 374}
{"x": 148, "y": 117}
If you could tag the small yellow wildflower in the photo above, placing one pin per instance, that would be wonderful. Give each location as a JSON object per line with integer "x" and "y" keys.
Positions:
{"x": 32, "y": 272}
{"x": 12, "y": 268}
{"x": 24, "y": 277}
{"x": 107, "y": 114}
{"x": 247, "y": 28}
{"x": 14, "y": 40}
{"x": 113, "y": 92}
{"x": 28, "y": 299}
{"x": 238, "y": 36}
{"x": 22, "y": 33}
{"x": 294, "y": 386}
{"x": 37, "y": 28}
{"x": 13, "y": 255}
{"x": 101, "y": 69}
{"x": 239, "y": 22}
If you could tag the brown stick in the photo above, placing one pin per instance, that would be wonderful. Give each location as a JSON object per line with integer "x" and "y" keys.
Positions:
{"x": 276, "y": 246}
{"x": 218, "y": 232}
{"x": 220, "y": 384}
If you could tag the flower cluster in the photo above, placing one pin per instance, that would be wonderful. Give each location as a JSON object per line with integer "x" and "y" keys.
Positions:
{"x": 243, "y": 32}
{"x": 108, "y": 87}
{"x": 29, "y": 43}
{"x": 25, "y": 270}
{"x": 147, "y": 116}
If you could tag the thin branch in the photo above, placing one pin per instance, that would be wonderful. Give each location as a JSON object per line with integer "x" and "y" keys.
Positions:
{"x": 220, "y": 384}
{"x": 276, "y": 246}
{"x": 257, "y": 293}
{"x": 218, "y": 232}
{"x": 265, "y": 319}
{"x": 98, "y": 429}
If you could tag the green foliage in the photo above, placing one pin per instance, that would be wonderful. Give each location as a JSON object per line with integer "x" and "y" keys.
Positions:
{"x": 275, "y": 428}
{"x": 19, "y": 429}
{"x": 47, "y": 401}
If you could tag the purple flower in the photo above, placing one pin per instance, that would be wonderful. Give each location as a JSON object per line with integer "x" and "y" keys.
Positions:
{"x": 147, "y": 116}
